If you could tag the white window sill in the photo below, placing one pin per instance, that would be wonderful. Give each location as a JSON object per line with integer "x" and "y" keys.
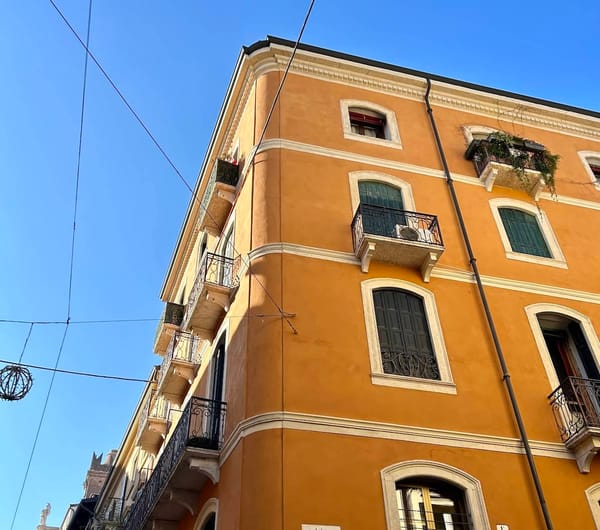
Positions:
{"x": 374, "y": 141}
{"x": 550, "y": 262}
{"x": 414, "y": 383}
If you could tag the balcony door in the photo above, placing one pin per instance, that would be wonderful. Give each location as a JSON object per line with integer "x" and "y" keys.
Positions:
{"x": 572, "y": 358}
{"x": 227, "y": 250}
{"x": 382, "y": 207}
{"x": 217, "y": 388}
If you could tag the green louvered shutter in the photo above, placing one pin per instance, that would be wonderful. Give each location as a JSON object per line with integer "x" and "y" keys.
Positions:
{"x": 382, "y": 207}
{"x": 404, "y": 339}
{"x": 583, "y": 350}
{"x": 524, "y": 232}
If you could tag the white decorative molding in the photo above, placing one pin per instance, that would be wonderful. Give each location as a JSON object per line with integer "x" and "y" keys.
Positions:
{"x": 471, "y": 487}
{"x": 445, "y": 94}
{"x": 439, "y": 272}
{"x": 210, "y": 506}
{"x": 387, "y": 431}
{"x": 279, "y": 143}
{"x": 557, "y": 259}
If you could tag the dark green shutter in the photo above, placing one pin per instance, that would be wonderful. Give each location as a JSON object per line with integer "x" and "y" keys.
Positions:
{"x": 382, "y": 207}
{"x": 404, "y": 338}
{"x": 524, "y": 232}
{"x": 583, "y": 351}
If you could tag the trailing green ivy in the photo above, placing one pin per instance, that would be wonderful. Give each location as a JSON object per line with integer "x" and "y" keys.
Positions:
{"x": 521, "y": 154}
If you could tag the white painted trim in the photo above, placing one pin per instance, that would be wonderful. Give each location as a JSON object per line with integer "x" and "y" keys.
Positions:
{"x": 470, "y": 130}
{"x": 279, "y": 143}
{"x": 532, "y": 312}
{"x": 210, "y": 506}
{"x": 471, "y": 487}
{"x": 392, "y": 134}
{"x": 557, "y": 259}
{"x": 439, "y": 272}
{"x": 387, "y": 431}
{"x": 585, "y": 157}
{"x": 592, "y": 495}
{"x": 378, "y": 376}
{"x": 375, "y": 176}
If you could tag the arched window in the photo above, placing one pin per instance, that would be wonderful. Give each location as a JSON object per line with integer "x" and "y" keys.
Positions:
{"x": 368, "y": 122}
{"x": 429, "y": 504}
{"x": 426, "y": 495}
{"x": 591, "y": 163}
{"x": 382, "y": 207}
{"x": 525, "y": 233}
{"x": 406, "y": 347}
{"x": 404, "y": 337}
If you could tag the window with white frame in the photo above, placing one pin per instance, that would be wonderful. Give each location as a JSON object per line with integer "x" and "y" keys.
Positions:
{"x": 593, "y": 497}
{"x": 526, "y": 233}
{"x": 427, "y": 495}
{"x": 591, "y": 163}
{"x": 406, "y": 347}
{"x": 369, "y": 122}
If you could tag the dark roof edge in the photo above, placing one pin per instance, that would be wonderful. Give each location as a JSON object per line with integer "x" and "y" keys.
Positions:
{"x": 417, "y": 73}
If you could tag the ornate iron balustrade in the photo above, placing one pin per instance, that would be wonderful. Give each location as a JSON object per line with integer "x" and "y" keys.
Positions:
{"x": 183, "y": 347}
{"x": 480, "y": 152}
{"x": 172, "y": 314}
{"x": 576, "y": 406}
{"x": 201, "y": 425}
{"x": 396, "y": 224}
{"x": 422, "y": 520}
{"x": 156, "y": 406}
{"x": 223, "y": 172}
{"x": 216, "y": 270}
{"x": 107, "y": 516}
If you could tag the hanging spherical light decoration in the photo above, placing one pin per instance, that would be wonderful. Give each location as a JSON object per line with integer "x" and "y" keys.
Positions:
{"x": 15, "y": 382}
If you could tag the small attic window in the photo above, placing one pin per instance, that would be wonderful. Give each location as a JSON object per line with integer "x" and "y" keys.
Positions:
{"x": 367, "y": 122}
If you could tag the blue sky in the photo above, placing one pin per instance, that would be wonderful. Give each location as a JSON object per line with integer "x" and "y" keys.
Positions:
{"x": 173, "y": 61}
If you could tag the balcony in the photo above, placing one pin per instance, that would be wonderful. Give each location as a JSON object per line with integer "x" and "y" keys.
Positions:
{"x": 211, "y": 293}
{"x": 576, "y": 409}
{"x": 107, "y": 516}
{"x": 218, "y": 197}
{"x": 169, "y": 323}
{"x": 410, "y": 239}
{"x": 153, "y": 424}
{"x": 495, "y": 163}
{"x": 190, "y": 457}
{"x": 179, "y": 366}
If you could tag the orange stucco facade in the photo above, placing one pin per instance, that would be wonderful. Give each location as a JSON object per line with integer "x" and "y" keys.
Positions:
{"x": 312, "y": 431}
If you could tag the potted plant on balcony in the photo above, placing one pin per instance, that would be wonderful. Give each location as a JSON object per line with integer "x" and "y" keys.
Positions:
{"x": 520, "y": 153}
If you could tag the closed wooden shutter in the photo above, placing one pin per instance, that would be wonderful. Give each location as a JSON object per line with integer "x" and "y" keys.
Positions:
{"x": 583, "y": 351}
{"x": 382, "y": 207}
{"x": 524, "y": 232}
{"x": 404, "y": 338}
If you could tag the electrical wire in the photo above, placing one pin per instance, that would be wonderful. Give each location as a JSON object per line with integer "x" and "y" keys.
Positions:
{"x": 75, "y": 372}
{"x": 194, "y": 197}
{"x": 25, "y": 345}
{"x": 70, "y": 282}
{"x": 71, "y": 322}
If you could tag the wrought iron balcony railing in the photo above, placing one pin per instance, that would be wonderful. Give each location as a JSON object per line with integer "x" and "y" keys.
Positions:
{"x": 215, "y": 271}
{"x": 170, "y": 320}
{"x": 201, "y": 425}
{"x": 425, "y": 520}
{"x": 223, "y": 172}
{"x": 481, "y": 152}
{"x": 576, "y": 406}
{"x": 396, "y": 224}
{"x": 108, "y": 515}
{"x": 183, "y": 348}
{"x": 156, "y": 407}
